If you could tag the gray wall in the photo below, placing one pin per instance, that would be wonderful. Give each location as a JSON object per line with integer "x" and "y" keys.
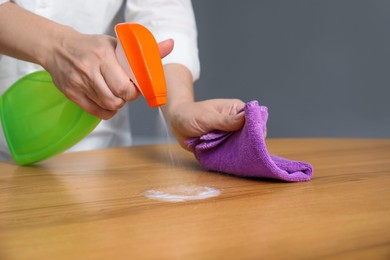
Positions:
{"x": 321, "y": 67}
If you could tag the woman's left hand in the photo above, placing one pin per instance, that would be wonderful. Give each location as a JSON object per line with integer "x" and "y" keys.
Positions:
{"x": 193, "y": 119}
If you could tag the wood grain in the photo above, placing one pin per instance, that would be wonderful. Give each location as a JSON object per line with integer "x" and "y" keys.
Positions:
{"x": 89, "y": 205}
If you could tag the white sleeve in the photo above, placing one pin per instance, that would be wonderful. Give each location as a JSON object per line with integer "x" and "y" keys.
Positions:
{"x": 169, "y": 19}
{"x": 3, "y": 1}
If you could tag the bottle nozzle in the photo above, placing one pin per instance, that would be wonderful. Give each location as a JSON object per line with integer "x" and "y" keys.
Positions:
{"x": 138, "y": 54}
{"x": 157, "y": 101}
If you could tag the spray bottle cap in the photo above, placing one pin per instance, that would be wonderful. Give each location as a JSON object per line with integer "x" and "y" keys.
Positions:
{"x": 138, "y": 54}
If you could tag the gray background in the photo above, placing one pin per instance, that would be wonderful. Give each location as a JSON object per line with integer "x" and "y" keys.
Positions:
{"x": 321, "y": 67}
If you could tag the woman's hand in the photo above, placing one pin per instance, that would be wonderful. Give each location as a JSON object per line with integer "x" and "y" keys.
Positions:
{"x": 193, "y": 119}
{"x": 188, "y": 119}
{"x": 85, "y": 68}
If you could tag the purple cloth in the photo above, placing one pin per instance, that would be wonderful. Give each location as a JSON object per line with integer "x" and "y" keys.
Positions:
{"x": 244, "y": 152}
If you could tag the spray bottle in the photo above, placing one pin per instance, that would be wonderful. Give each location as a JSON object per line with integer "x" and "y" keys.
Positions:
{"x": 39, "y": 121}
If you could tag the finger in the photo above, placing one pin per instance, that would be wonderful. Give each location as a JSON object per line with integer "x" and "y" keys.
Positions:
{"x": 165, "y": 47}
{"x": 230, "y": 106}
{"x": 102, "y": 95}
{"x": 230, "y": 123}
{"x": 83, "y": 92}
{"x": 117, "y": 80}
{"x": 229, "y": 115}
{"x": 92, "y": 108}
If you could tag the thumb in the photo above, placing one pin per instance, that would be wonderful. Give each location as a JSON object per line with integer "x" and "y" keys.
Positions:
{"x": 165, "y": 47}
{"x": 230, "y": 123}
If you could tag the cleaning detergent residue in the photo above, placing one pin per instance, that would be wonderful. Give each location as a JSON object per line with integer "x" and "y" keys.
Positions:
{"x": 181, "y": 193}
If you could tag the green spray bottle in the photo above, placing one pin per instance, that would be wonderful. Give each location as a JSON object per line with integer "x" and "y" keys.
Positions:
{"x": 39, "y": 121}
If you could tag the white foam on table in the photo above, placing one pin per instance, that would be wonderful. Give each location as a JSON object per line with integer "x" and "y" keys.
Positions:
{"x": 180, "y": 193}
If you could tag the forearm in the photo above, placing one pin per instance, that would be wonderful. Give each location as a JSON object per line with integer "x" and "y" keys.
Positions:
{"x": 27, "y": 36}
{"x": 83, "y": 66}
{"x": 187, "y": 118}
{"x": 179, "y": 86}
{"x": 180, "y": 92}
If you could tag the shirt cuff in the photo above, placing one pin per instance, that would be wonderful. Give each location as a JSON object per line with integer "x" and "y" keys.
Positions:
{"x": 184, "y": 52}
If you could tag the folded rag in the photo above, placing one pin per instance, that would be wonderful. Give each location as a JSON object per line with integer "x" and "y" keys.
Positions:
{"x": 244, "y": 152}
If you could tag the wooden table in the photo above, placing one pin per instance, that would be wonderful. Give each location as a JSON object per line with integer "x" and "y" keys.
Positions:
{"x": 89, "y": 205}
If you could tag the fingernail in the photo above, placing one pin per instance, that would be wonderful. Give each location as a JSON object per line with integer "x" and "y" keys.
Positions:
{"x": 239, "y": 116}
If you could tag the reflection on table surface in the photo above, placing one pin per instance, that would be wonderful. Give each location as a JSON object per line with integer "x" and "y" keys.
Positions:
{"x": 92, "y": 205}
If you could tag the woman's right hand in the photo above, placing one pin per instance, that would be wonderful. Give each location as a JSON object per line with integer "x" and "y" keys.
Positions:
{"x": 85, "y": 68}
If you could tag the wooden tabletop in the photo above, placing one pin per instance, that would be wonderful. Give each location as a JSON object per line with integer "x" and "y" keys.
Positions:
{"x": 91, "y": 205}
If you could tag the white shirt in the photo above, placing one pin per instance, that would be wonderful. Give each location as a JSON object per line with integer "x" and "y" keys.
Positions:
{"x": 164, "y": 18}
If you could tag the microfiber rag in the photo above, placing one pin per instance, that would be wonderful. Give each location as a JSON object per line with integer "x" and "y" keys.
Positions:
{"x": 244, "y": 152}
